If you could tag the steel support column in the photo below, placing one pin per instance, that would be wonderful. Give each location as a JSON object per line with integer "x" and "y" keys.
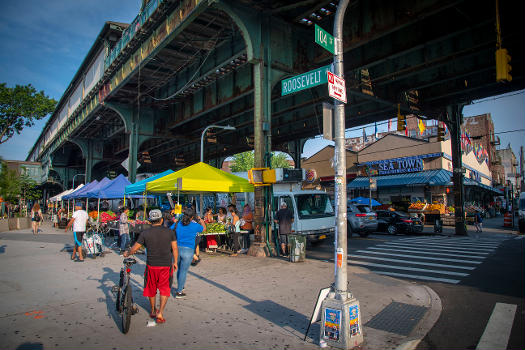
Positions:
{"x": 454, "y": 121}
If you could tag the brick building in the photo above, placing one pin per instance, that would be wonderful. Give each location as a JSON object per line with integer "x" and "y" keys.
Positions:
{"x": 481, "y": 130}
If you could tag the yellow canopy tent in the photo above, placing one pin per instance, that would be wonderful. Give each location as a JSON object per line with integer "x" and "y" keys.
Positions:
{"x": 200, "y": 178}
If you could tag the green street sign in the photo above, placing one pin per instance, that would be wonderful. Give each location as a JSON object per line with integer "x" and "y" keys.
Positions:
{"x": 305, "y": 81}
{"x": 325, "y": 39}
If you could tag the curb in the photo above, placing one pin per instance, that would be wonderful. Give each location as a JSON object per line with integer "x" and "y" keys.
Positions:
{"x": 426, "y": 324}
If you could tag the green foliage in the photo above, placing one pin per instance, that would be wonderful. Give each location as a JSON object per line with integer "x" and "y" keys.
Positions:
{"x": 280, "y": 160}
{"x": 9, "y": 184}
{"x": 242, "y": 162}
{"x": 14, "y": 185}
{"x": 245, "y": 161}
{"x": 20, "y": 107}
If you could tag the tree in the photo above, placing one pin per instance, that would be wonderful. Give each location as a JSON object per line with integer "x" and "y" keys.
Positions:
{"x": 245, "y": 161}
{"x": 242, "y": 162}
{"x": 280, "y": 160}
{"x": 20, "y": 107}
{"x": 9, "y": 183}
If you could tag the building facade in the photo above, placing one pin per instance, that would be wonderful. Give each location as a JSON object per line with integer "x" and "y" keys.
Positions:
{"x": 416, "y": 169}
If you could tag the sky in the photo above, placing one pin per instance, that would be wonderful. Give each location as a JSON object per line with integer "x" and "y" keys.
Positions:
{"x": 44, "y": 43}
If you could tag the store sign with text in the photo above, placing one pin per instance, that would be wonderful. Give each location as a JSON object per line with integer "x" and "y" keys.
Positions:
{"x": 398, "y": 165}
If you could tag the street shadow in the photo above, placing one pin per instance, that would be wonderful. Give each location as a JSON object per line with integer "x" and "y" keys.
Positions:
{"x": 111, "y": 278}
{"x": 30, "y": 346}
{"x": 277, "y": 314}
{"x": 68, "y": 248}
{"x": 2, "y": 248}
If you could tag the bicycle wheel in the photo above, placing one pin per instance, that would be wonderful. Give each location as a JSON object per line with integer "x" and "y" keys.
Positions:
{"x": 120, "y": 299}
{"x": 127, "y": 310}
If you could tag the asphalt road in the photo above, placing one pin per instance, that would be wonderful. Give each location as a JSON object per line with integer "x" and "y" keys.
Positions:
{"x": 470, "y": 275}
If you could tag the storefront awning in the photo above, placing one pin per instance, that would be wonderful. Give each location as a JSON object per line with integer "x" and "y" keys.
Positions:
{"x": 470, "y": 182}
{"x": 438, "y": 177}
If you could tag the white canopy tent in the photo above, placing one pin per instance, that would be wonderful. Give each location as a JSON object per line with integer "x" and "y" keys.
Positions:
{"x": 59, "y": 196}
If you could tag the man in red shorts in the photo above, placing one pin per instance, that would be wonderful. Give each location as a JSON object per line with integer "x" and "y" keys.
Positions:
{"x": 162, "y": 254}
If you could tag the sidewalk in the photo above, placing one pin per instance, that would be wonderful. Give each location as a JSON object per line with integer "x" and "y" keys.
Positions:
{"x": 490, "y": 226}
{"x": 239, "y": 302}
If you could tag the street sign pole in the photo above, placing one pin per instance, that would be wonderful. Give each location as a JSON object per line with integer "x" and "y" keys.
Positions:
{"x": 341, "y": 314}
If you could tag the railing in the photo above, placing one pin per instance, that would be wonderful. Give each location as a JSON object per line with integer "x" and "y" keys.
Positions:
{"x": 130, "y": 31}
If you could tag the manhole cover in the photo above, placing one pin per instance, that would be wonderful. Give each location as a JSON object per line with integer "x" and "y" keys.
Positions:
{"x": 397, "y": 318}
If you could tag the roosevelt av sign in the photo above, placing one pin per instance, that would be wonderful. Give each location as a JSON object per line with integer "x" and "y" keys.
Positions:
{"x": 305, "y": 81}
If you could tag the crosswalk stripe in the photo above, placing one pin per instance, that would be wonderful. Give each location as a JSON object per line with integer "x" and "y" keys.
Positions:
{"x": 451, "y": 245}
{"x": 497, "y": 331}
{"x": 447, "y": 241}
{"x": 418, "y": 277}
{"x": 428, "y": 253}
{"x": 424, "y": 258}
{"x": 442, "y": 272}
{"x": 444, "y": 248}
{"x": 411, "y": 262}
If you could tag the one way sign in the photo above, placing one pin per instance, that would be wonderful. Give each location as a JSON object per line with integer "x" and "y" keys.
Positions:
{"x": 336, "y": 87}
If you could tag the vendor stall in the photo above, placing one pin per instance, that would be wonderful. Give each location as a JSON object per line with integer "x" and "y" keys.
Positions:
{"x": 201, "y": 178}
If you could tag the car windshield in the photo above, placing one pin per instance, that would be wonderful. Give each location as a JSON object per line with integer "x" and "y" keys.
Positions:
{"x": 402, "y": 214}
{"x": 522, "y": 204}
{"x": 315, "y": 205}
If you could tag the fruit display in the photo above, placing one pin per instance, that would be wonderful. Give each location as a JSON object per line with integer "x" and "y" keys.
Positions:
{"x": 450, "y": 210}
{"x": 215, "y": 227}
{"x": 417, "y": 206}
{"x": 93, "y": 214}
{"x": 106, "y": 216}
{"x": 435, "y": 208}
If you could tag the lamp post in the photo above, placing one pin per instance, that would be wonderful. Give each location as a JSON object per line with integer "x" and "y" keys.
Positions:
{"x": 74, "y": 179}
{"x": 341, "y": 315}
{"x": 227, "y": 127}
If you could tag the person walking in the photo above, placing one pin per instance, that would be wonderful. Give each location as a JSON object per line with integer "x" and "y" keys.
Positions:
{"x": 186, "y": 231}
{"x": 284, "y": 218}
{"x": 78, "y": 221}
{"x": 124, "y": 229}
{"x": 161, "y": 262}
{"x": 478, "y": 221}
{"x": 36, "y": 217}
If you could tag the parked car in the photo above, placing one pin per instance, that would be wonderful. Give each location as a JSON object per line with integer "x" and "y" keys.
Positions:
{"x": 360, "y": 220}
{"x": 394, "y": 222}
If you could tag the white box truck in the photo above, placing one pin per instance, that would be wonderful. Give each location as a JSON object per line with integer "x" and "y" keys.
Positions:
{"x": 314, "y": 214}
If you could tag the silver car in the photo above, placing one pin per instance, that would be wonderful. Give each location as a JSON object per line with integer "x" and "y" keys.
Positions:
{"x": 360, "y": 220}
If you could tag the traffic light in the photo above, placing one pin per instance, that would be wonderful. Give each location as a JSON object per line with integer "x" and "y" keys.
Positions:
{"x": 503, "y": 66}
{"x": 401, "y": 122}
{"x": 441, "y": 133}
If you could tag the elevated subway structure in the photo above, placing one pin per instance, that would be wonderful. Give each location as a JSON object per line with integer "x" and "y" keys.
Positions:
{"x": 183, "y": 65}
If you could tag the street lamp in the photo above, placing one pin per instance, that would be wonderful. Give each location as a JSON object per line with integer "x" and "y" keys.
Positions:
{"x": 76, "y": 176}
{"x": 227, "y": 127}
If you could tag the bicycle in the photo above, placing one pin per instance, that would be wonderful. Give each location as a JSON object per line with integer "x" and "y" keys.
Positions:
{"x": 124, "y": 303}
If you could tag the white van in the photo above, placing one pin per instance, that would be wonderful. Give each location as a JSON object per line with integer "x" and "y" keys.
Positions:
{"x": 521, "y": 205}
{"x": 314, "y": 215}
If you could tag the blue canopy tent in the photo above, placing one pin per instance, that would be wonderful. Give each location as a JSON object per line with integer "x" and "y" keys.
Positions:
{"x": 94, "y": 191}
{"x": 140, "y": 186}
{"x": 80, "y": 193}
{"x": 114, "y": 190}
{"x": 363, "y": 200}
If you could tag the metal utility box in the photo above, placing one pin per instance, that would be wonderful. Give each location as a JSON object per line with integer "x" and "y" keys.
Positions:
{"x": 297, "y": 246}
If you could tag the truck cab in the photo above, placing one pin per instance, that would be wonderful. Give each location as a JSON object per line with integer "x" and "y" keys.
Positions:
{"x": 314, "y": 215}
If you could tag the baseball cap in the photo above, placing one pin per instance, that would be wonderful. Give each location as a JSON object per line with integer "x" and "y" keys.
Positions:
{"x": 155, "y": 215}
{"x": 78, "y": 204}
